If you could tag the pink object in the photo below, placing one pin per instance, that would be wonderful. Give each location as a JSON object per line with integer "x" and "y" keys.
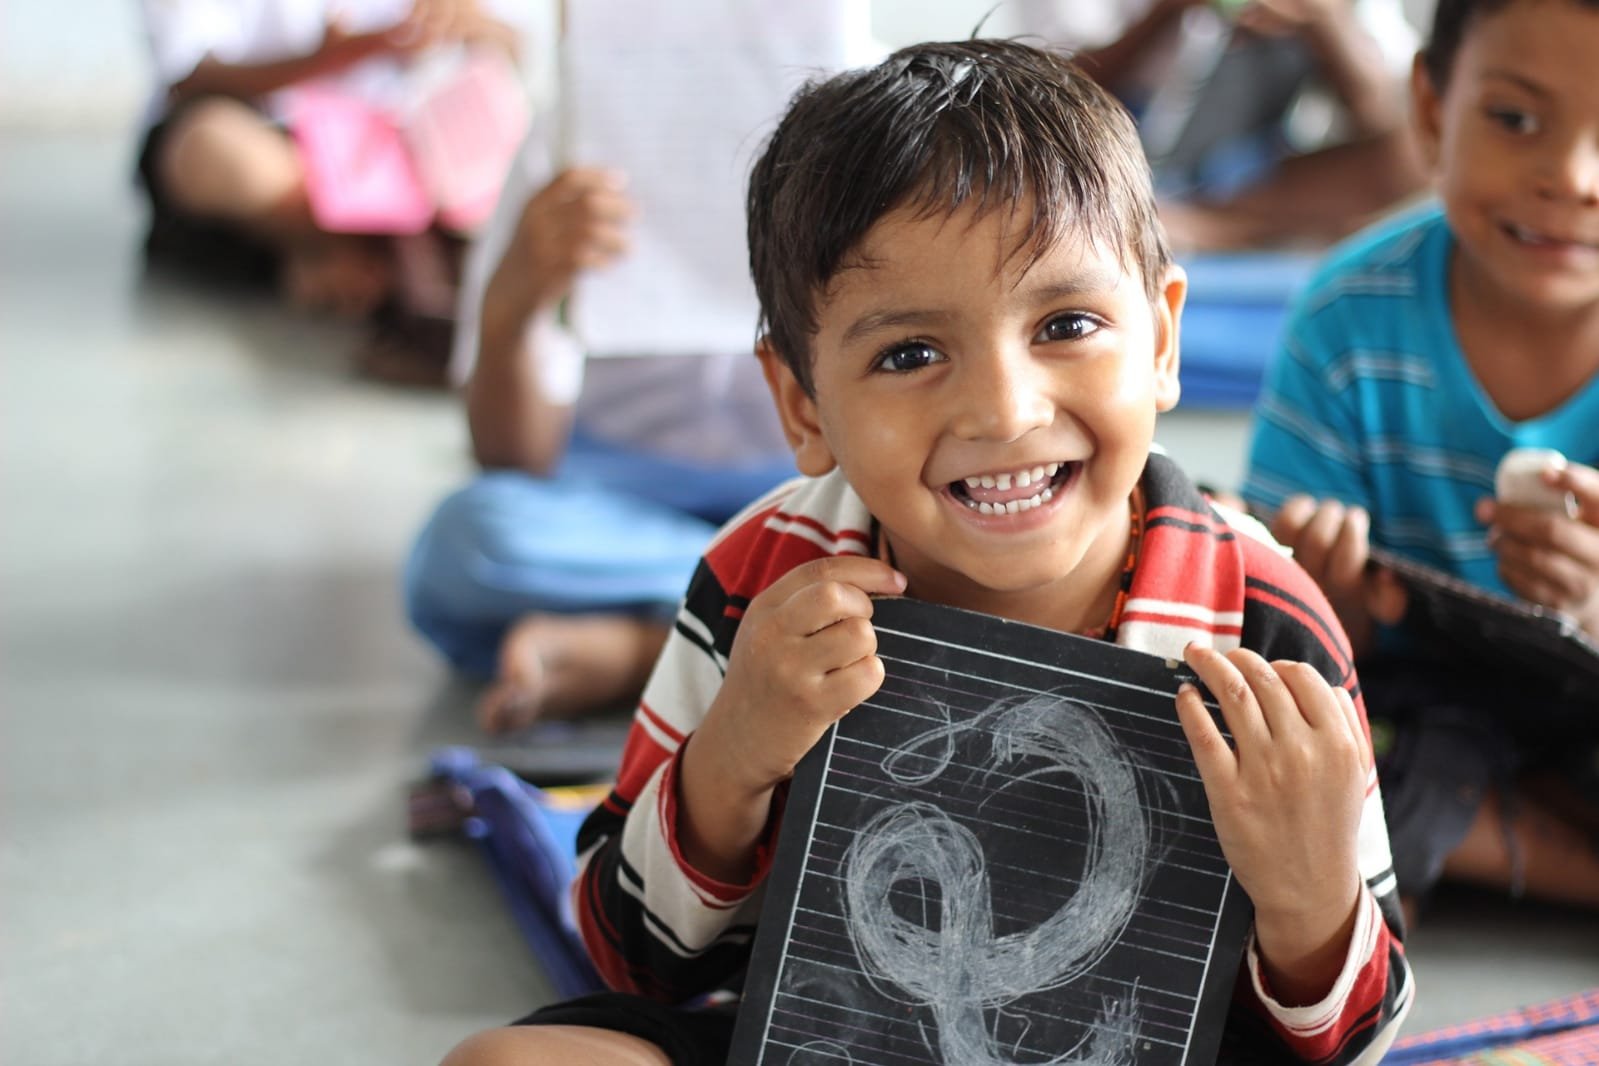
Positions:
{"x": 368, "y": 172}
{"x": 464, "y": 135}
{"x": 359, "y": 174}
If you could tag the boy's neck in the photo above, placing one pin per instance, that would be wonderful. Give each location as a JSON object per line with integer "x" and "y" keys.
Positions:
{"x": 1527, "y": 359}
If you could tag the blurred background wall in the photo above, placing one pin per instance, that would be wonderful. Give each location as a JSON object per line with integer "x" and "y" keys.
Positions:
{"x": 81, "y": 63}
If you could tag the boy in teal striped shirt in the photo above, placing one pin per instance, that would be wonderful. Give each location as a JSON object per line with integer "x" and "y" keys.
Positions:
{"x": 1424, "y": 350}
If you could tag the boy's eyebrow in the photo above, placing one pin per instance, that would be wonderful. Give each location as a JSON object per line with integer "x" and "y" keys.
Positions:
{"x": 876, "y": 321}
{"x": 1519, "y": 79}
{"x": 1092, "y": 280}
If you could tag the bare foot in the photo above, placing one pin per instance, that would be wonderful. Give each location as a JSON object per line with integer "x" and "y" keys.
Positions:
{"x": 561, "y": 666}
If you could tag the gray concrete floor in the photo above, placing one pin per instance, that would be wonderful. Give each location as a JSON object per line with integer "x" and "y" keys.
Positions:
{"x": 212, "y": 707}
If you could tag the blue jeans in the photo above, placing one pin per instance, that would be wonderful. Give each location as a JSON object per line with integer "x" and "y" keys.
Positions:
{"x": 611, "y": 531}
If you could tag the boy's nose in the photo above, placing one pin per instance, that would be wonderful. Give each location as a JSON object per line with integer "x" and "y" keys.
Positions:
{"x": 1573, "y": 170}
{"x": 1001, "y": 398}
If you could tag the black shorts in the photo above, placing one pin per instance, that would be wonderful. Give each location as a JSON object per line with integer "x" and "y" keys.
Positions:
{"x": 698, "y": 1036}
{"x": 196, "y": 247}
{"x": 1445, "y": 737}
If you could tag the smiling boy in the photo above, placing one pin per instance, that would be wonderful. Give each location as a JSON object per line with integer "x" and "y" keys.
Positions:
{"x": 972, "y": 323}
{"x": 1424, "y": 351}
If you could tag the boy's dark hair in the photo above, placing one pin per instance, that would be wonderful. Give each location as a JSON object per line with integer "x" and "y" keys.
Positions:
{"x": 934, "y": 125}
{"x": 1450, "y": 21}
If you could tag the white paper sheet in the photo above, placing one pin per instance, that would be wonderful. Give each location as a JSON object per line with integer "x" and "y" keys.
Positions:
{"x": 680, "y": 97}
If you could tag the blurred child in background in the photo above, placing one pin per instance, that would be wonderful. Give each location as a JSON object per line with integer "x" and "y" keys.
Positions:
{"x": 1427, "y": 349}
{"x": 557, "y": 572}
{"x": 227, "y": 186}
{"x": 1267, "y": 122}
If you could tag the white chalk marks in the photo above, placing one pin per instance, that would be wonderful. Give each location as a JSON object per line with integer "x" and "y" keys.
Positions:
{"x": 956, "y": 965}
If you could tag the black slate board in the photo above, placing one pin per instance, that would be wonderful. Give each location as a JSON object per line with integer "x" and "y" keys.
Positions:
{"x": 1004, "y": 856}
{"x": 1480, "y": 628}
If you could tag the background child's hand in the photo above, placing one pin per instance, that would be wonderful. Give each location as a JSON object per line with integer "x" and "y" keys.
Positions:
{"x": 1332, "y": 543}
{"x": 1286, "y": 798}
{"x": 1279, "y": 18}
{"x": 1548, "y": 556}
{"x": 464, "y": 20}
{"x": 805, "y": 654}
{"x": 341, "y": 47}
{"x": 1329, "y": 540}
{"x": 579, "y": 221}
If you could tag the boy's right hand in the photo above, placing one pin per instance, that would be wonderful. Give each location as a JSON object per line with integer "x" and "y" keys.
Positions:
{"x": 579, "y": 221}
{"x": 804, "y": 656}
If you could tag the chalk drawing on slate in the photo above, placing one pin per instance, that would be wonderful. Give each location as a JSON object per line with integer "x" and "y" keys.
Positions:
{"x": 1005, "y": 856}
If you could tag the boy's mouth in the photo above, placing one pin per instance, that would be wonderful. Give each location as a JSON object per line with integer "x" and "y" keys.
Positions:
{"x": 1539, "y": 239}
{"x": 1013, "y": 491}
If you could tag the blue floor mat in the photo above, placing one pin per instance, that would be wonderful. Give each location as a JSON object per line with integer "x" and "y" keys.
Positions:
{"x": 1237, "y": 306}
{"x": 529, "y": 835}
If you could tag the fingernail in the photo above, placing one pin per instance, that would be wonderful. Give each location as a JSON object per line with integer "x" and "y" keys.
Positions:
{"x": 1187, "y": 688}
{"x": 901, "y": 580}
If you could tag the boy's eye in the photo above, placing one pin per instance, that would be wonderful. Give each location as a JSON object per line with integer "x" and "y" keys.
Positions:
{"x": 1068, "y": 327}
{"x": 1514, "y": 120}
{"x": 912, "y": 355}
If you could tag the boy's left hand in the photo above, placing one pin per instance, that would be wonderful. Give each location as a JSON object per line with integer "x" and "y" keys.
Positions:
{"x": 1547, "y": 556}
{"x": 1286, "y": 797}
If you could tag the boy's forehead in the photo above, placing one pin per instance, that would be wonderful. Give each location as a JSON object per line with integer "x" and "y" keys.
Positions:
{"x": 1542, "y": 41}
{"x": 1000, "y": 238}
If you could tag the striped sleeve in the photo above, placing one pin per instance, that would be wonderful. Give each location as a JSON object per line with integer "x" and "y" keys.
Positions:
{"x": 1286, "y": 617}
{"x": 653, "y": 924}
{"x": 1204, "y": 579}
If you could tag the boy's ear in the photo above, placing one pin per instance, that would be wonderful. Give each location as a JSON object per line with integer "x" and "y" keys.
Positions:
{"x": 797, "y": 409}
{"x": 1426, "y": 109}
{"x": 1168, "y": 328}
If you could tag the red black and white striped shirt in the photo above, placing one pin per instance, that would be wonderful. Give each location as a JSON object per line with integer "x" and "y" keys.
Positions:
{"x": 656, "y": 926}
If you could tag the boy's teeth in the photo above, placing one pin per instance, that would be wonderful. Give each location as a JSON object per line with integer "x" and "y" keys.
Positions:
{"x": 1014, "y": 506}
{"x": 1020, "y": 478}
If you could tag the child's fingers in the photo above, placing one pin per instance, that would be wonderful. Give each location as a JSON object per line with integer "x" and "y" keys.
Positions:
{"x": 1346, "y": 562}
{"x": 843, "y": 642}
{"x": 603, "y": 205}
{"x": 852, "y": 684}
{"x": 1290, "y": 519}
{"x": 1583, "y": 483}
{"x": 1316, "y": 699}
{"x": 1346, "y": 705}
{"x": 872, "y": 576}
{"x": 1212, "y": 754}
{"x": 1233, "y": 695}
{"x": 574, "y": 183}
{"x": 1387, "y": 599}
{"x": 1278, "y": 705}
{"x": 1545, "y": 577}
{"x": 1315, "y": 548}
{"x": 810, "y": 609}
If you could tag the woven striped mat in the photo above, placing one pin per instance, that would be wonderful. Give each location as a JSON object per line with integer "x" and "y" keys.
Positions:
{"x": 1563, "y": 1032}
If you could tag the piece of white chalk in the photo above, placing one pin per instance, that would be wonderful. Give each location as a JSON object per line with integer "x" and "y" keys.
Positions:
{"x": 1519, "y": 482}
